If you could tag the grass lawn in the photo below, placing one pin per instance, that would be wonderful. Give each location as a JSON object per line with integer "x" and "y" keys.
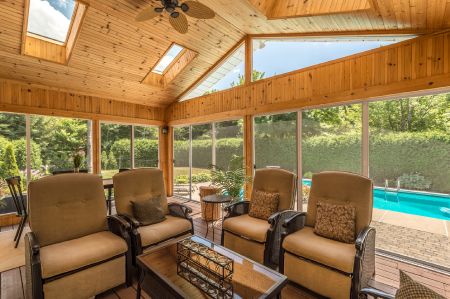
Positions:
{"x": 185, "y": 171}
{"x": 107, "y": 174}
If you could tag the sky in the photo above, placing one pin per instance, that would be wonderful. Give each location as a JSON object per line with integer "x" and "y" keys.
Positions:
{"x": 278, "y": 56}
{"x": 50, "y": 18}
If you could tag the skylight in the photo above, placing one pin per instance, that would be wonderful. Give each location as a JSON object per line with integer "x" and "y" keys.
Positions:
{"x": 167, "y": 59}
{"x": 51, "y": 18}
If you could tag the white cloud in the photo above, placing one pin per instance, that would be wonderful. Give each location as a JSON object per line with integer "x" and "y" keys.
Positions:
{"x": 47, "y": 21}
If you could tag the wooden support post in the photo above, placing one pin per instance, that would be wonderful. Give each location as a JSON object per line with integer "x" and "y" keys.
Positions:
{"x": 96, "y": 143}
{"x": 166, "y": 157}
{"x": 248, "y": 59}
{"x": 248, "y": 152}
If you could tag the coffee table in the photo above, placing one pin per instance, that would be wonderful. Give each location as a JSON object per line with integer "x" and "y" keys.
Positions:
{"x": 158, "y": 274}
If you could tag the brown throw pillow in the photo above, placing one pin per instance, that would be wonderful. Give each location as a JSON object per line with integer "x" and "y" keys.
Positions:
{"x": 263, "y": 204}
{"x": 148, "y": 211}
{"x": 335, "y": 221}
{"x": 411, "y": 289}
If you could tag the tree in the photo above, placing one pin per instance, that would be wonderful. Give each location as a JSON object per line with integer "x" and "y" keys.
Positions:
{"x": 112, "y": 162}
{"x": 9, "y": 165}
{"x": 105, "y": 163}
{"x": 256, "y": 75}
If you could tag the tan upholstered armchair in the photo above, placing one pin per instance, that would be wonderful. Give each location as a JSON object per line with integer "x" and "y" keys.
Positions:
{"x": 253, "y": 237}
{"x": 331, "y": 268}
{"x": 73, "y": 250}
{"x": 145, "y": 183}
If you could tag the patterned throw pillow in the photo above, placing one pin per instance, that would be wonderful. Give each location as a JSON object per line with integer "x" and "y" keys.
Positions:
{"x": 263, "y": 204}
{"x": 413, "y": 290}
{"x": 148, "y": 211}
{"x": 335, "y": 221}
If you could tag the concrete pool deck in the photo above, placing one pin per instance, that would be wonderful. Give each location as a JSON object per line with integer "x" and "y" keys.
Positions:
{"x": 422, "y": 238}
{"x": 421, "y": 223}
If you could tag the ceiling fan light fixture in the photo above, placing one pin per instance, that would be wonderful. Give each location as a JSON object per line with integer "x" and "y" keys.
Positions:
{"x": 159, "y": 9}
{"x": 184, "y": 7}
{"x": 175, "y": 14}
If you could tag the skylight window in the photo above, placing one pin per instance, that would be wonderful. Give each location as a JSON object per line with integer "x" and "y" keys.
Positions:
{"x": 167, "y": 59}
{"x": 51, "y": 18}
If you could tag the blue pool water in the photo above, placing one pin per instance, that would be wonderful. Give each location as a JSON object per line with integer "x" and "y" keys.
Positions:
{"x": 416, "y": 203}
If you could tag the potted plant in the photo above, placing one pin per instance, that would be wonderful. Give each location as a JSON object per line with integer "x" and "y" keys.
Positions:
{"x": 230, "y": 181}
{"x": 77, "y": 160}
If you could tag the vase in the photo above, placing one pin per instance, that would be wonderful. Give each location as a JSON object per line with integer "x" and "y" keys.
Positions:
{"x": 76, "y": 170}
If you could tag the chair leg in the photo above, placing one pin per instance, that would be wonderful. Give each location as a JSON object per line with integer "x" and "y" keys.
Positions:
{"x": 20, "y": 230}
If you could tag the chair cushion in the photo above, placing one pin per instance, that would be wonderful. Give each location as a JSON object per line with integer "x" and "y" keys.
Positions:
{"x": 307, "y": 244}
{"x": 335, "y": 221}
{"x": 413, "y": 290}
{"x": 74, "y": 254}
{"x": 263, "y": 204}
{"x": 148, "y": 211}
{"x": 249, "y": 227}
{"x": 171, "y": 227}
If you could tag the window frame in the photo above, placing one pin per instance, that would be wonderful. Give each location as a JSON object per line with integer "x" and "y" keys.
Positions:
{"x": 132, "y": 126}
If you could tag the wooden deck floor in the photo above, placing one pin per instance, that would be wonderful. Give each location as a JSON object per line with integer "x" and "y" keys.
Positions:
{"x": 387, "y": 273}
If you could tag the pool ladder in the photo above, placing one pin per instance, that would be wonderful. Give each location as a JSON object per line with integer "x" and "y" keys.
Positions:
{"x": 388, "y": 189}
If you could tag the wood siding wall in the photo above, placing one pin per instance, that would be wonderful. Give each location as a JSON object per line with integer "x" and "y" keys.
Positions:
{"x": 414, "y": 65}
{"x": 24, "y": 98}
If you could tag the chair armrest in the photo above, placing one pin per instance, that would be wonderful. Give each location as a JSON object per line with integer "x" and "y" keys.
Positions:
{"x": 118, "y": 226}
{"x": 364, "y": 265}
{"x": 294, "y": 223}
{"x": 33, "y": 243}
{"x": 237, "y": 209}
{"x": 131, "y": 220}
{"x": 362, "y": 238}
{"x": 274, "y": 236}
{"x": 179, "y": 210}
{"x": 34, "y": 288}
{"x": 375, "y": 293}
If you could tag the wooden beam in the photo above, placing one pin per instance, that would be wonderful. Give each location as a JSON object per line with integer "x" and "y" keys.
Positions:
{"x": 96, "y": 150}
{"x": 165, "y": 158}
{"x": 248, "y": 152}
{"x": 22, "y": 98}
{"x": 212, "y": 68}
{"x": 248, "y": 60}
{"x": 405, "y": 68}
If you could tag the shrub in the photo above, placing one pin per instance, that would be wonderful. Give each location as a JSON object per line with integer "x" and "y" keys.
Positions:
{"x": 112, "y": 162}
{"x": 104, "y": 160}
{"x": 9, "y": 165}
{"x": 20, "y": 149}
{"x": 202, "y": 177}
{"x": 414, "y": 181}
{"x": 182, "y": 179}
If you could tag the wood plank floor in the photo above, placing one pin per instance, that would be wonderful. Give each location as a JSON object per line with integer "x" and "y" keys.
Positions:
{"x": 12, "y": 282}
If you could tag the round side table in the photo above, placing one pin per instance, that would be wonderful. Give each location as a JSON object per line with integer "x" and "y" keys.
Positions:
{"x": 215, "y": 199}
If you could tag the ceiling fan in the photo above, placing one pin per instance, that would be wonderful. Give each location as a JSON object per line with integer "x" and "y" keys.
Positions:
{"x": 177, "y": 13}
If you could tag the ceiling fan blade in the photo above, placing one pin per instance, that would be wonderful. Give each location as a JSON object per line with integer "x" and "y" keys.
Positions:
{"x": 199, "y": 10}
{"x": 179, "y": 23}
{"x": 146, "y": 14}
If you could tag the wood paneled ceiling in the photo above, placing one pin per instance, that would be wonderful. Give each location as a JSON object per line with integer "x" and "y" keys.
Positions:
{"x": 114, "y": 53}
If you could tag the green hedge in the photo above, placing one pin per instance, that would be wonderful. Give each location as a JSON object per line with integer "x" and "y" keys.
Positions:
{"x": 391, "y": 155}
{"x": 202, "y": 152}
{"x": 146, "y": 152}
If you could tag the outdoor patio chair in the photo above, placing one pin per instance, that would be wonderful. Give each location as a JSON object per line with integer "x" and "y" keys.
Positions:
{"x": 74, "y": 250}
{"x": 326, "y": 266}
{"x": 142, "y": 184}
{"x": 15, "y": 189}
{"x": 257, "y": 238}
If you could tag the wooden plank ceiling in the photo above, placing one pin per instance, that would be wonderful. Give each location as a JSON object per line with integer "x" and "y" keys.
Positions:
{"x": 114, "y": 53}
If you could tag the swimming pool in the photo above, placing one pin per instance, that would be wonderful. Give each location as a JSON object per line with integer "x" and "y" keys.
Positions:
{"x": 409, "y": 202}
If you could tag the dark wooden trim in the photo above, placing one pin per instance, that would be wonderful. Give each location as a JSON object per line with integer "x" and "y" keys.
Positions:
{"x": 56, "y": 277}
